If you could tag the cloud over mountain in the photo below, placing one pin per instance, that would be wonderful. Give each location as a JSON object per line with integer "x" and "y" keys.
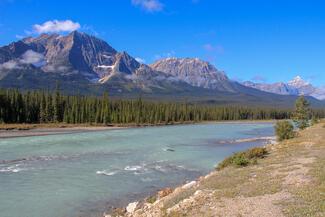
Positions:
{"x": 32, "y": 57}
{"x": 56, "y": 26}
{"x": 29, "y": 57}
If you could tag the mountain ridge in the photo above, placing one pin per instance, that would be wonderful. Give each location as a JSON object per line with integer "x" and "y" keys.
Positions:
{"x": 84, "y": 64}
{"x": 297, "y": 86}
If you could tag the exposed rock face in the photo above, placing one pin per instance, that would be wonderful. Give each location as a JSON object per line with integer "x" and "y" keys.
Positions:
{"x": 303, "y": 87}
{"x": 125, "y": 63}
{"x": 82, "y": 57}
{"x": 76, "y": 52}
{"x": 278, "y": 88}
{"x": 297, "y": 86}
{"x": 192, "y": 71}
{"x": 87, "y": 65}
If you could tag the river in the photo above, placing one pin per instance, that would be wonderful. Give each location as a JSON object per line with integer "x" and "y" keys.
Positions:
{"x": 84, "y": 174}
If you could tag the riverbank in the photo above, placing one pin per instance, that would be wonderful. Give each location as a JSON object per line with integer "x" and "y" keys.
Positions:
{"x": 288, "y": 182}
{"x": 14, "y": 131}
{"x": 26, "y": 130}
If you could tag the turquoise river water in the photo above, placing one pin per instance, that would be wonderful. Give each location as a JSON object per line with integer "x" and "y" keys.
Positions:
{"x": 84, "y": 174}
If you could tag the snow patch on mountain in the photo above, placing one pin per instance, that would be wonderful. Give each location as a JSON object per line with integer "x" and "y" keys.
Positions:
{"x": 297, "y": 86}
{"x": 298, "y": 82}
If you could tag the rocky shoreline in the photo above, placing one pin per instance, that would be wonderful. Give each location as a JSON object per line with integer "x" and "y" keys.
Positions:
{"x": 269, "y": 188}
{"x": 152, "y": 205}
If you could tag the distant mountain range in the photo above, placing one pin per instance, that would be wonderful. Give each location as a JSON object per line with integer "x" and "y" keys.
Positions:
{"x": 84, "y": 64}
{"x": 296, "y": 87}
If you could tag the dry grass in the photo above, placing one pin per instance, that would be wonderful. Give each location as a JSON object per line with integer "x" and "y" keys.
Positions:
{"x": 290, "y": 181}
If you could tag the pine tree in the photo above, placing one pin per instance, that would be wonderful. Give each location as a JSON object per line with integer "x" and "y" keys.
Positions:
{"x": 43, "y": 114}
{"x": 44, "y": 107}
{"x": 301, "y": 113}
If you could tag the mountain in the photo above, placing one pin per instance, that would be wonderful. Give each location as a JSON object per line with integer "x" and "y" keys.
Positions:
{"x": 195, "y": 72}
{"x": 297, "y": 86}
{"x": 277, "y": 88}
{"x": 84, "y": 64}
{"x": 80, "y": 59}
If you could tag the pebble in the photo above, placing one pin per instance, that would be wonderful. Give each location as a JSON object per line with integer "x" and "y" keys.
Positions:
{"x": 131, "y": 207}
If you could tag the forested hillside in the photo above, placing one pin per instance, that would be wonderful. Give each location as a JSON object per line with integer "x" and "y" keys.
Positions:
{"x": 46, "y": 107}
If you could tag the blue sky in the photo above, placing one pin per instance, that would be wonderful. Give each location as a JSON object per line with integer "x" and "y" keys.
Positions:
{"x": 259, "y": 40}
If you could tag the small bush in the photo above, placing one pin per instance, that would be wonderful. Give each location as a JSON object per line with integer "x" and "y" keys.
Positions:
{"x": 314, "y": 120}
{"x": 244, "y": 158}
{"x": 284, "y": 130}
{"x": 151, "y": 199}
{"x": 240, "y": 160}
{"x": 226, "y": 162}
{"x": 256, "y": 153}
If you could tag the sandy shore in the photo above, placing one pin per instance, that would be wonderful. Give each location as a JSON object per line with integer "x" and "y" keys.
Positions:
{"x": 53, "y": 131}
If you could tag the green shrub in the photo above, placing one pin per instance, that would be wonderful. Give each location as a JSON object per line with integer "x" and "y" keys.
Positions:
{"x": 241, "y": 160}
{"x": 244, "y": 158}
{"x": 151, "y": 199}
{"x": 257, "y": 152}
{"x": 284, "y": 130}
{"x": 226, "y": 162}
{"x": 314, "y": 120}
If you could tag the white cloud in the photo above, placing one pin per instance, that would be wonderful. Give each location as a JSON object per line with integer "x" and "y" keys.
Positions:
{"x": 29, "y": 57}
{"x": 54, "y": 68}
{"x": 140, "y": 60}
{"x": 55, "y": 26}
{"x": 9, "y": 65}
{"x": 32, "y": 57}
{"x": 149, "y": 5}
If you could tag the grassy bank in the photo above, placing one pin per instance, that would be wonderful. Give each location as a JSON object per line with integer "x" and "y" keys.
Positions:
{"x": 288, "y": 181}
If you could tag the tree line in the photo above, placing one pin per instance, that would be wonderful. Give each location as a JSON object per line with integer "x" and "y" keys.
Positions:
{"x": 54, "y": 107}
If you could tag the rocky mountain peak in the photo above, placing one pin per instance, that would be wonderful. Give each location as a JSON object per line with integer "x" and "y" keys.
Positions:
{"x": 296, "y": 86}
{"x": 125, "y": 63}
{"x": 193, "y": 71}
{"x": 298, "y": 82}
{"x": 81, "y": 60}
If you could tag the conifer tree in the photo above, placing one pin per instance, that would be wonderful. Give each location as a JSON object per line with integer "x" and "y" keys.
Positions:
{"x": 301, "y": 113}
